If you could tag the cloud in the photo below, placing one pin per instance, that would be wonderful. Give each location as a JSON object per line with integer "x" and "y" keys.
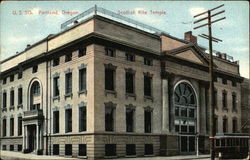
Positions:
{"x": 196, "y": 10}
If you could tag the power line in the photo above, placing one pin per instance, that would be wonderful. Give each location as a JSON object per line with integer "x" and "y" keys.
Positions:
{"x": 211, "y": 71}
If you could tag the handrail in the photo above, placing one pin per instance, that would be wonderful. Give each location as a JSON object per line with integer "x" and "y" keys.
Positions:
{"x": 111, "y": 15}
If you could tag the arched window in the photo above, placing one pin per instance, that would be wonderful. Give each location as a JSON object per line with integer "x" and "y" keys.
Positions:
{"x": 185, "y": 108}
{"x": 35, "y": 99}
{"x": 35, "y": 89}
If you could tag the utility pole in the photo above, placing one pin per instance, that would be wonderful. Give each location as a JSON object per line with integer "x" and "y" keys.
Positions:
{"x": 211, "y": 72}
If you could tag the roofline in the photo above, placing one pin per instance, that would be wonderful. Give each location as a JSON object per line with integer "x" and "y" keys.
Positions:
{"x": 51, "y": 36}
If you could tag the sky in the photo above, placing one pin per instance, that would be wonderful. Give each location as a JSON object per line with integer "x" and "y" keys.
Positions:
{"x": 19, "y": 27}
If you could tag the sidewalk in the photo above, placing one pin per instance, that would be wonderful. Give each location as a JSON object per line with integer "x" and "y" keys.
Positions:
{"x": 8, "y": 155}
{"x": 186, "y": 157}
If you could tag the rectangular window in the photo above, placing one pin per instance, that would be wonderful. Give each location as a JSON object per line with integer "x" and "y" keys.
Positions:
{"x": 147, "y": 86}
{"x": 56, "y": 62}
{"x": 12, "y": 78}
{"x": 147, "y": 121}
{"x": 68, "y": 149}
{"x": 12, "y": 97}
{"x": 11, "y": 126}
{"x": 4, "y": 100}
{"x": 234, "y": 84}
{"x": 19, "y": 147}
{"x": 82, "y": 52}
{"x": 129, "y": 120}
{"x": 20, "y": 126}
{"x": 110, "y": 52}
{"x": 109, "y": 119}
{"x": 20, "y": 75}
{"x": 224, "y": 81}
{"x": 82, "y": 150}
{"x": 224, "y": 125}
{"x": 56, "y": 84}
{"x": 224, "y": 99}
{"x": 234, "y": 126}
{"x": 130, "y": 149}
{"x": 4, "y": 80}
{"x": 109, "y": 79}
{"x": 234, "y": 101}
{"x": 68, "y": 57}
{"x": 82, "y": 79}
{"x": 34, "y": 69}
{"x": 11, "y": 147}
{"x": 129, "y": 82}
{"x": 68, "y": 120}
{"x": 148, "y": 62}
{"x": 148, "y": 149}
{"x": 56, "y": 121}
{"x": 110, "y": 149}
{"x": 82, "y": 119}
{"x": 20, "y": 96}
{"x": 4, "y": 147}
{"x": 68, "y": 83}
{"x": 130, "y": 57}
{"x": 56, "y": 149}
{"x": 4, "y": 127}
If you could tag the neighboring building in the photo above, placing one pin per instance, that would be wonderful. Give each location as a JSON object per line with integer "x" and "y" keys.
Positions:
{"x": 102, "y": 88}
{"x": 245, "y": 106}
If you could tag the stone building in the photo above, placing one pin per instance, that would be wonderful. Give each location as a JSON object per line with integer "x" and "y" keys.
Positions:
{"x": 102, "y": 88}
{"x": 245, "y": 106}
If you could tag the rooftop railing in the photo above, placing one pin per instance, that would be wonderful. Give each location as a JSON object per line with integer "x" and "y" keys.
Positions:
{"x": 111, "y": 15}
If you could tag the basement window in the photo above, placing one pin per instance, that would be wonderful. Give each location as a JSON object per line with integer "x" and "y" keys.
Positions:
{"x": 130, "y": 150}
{"x": 82, "y": 150}
{"x": 110, "y": 149}
{"x": 19, "y": 147}
{"x": 68, "y": 149}
{"x": 149, "y": 149}
{"x": 55, "y": 149}
{"x": 11, "y": 147}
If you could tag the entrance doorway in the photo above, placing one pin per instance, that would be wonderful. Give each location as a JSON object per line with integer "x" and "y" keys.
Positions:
{"x": 185, "y": 107}
{"x": 187, "y": 144}
{"x": 31, "y": 137}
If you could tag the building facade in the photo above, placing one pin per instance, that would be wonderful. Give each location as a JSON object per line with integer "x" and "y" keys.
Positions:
{"x": 245, "y": 106}
{"x": 102, "y": 89}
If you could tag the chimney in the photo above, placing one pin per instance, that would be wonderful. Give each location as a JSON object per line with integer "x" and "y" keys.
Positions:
{"x": 189, "y": 37}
